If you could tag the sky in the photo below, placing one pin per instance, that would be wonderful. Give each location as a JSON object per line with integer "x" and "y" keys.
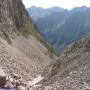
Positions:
{"x": 69, "y": 4}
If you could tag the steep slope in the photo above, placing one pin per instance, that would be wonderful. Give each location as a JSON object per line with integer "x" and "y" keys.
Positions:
{"x": 24, "y": 53}
{"x": 72, "y": 70}
{"x": 22, "y": 59}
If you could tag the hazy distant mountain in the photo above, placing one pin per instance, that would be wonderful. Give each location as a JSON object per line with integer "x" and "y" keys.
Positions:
{"x": 80, "y": 9}
{"x": 64, "y": 27}
{"x": 38, "y": 12}
{"x": 75, "y": 27}
{"x": 55, "y": 9}
{"x": 49, "y": 23}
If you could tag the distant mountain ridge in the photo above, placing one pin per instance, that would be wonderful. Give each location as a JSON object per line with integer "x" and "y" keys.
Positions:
{"x": 80, "y": 9}
{"x": 65, "y": 26}
{"x": 38, "y": 12}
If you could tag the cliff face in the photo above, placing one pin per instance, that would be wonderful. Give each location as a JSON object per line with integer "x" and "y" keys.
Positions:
{"x": 25, "y": 54}
{"x": 13, "y": 16}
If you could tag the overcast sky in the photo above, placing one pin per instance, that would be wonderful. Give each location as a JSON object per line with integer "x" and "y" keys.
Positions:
{"x": 61, "y": 3}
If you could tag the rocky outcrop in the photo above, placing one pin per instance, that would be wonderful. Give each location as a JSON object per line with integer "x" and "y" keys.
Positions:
{"x": 13, "y": 17}
{"x": 13, "y": 81}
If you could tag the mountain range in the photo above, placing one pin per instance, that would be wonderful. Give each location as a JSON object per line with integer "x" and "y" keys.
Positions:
{"x": 28, "y": 62}
{"x": 60, "y": 27}
{"x": 38, "y": 12}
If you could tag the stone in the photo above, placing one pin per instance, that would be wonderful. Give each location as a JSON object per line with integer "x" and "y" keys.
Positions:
{"x": 21, "y": 88}
{"x": 36, "y": 80}
{"x": 2, "y": 81}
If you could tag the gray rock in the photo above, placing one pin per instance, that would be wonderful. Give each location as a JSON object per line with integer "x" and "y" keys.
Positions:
{"x": 2, "y": 81}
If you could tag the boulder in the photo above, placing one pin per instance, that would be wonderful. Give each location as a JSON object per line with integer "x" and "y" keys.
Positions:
{"x": 2, "y": 81}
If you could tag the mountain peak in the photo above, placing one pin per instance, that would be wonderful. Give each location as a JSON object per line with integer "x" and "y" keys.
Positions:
{"x": 80, "y": 9}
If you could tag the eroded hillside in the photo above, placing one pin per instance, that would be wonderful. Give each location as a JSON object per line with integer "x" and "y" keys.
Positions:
{"x": 22, "y": 49}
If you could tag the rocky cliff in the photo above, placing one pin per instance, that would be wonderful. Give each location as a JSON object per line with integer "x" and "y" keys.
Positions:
{"x": 13, "y": 17}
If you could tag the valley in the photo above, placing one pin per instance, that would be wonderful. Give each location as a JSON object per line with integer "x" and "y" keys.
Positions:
{"x": 44, "y": 49}
{"x": 62, "y": 27}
